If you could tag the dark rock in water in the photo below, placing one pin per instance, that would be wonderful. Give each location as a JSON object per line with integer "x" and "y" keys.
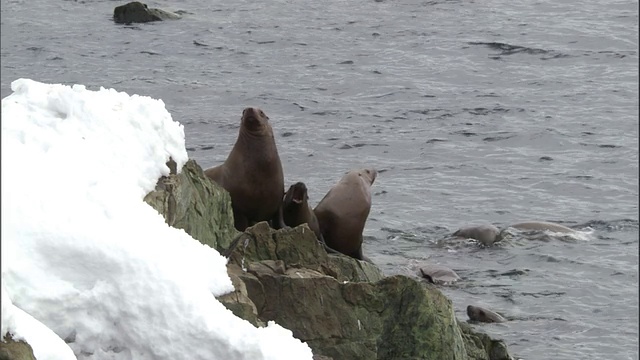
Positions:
{"x": 481, "y": 346}
{"x": 137, "y": 12}
{"x": 438, "y": 274}
{"x": 477, "y": 313}
{"x": 15, "y": 350}
{"x": 133, "y": 12}
{"x": 342, "y": 307}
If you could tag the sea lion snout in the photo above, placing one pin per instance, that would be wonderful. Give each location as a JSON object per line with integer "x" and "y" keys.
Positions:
{"x": 253, "y": 118}
{"x": 297, "y": 193}
{"x": 369, "y": 174}
{"x": 477, "y": 313}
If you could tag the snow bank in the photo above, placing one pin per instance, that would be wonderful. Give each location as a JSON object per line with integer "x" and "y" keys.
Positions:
{"x": 85, "y": 256}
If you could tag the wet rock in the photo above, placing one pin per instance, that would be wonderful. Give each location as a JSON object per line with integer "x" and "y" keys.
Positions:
{"x": 342, "y": 307}
{"x": 137, "y": 12}
{"x": 192, "y": 202}
{"x": 480, "y": 346}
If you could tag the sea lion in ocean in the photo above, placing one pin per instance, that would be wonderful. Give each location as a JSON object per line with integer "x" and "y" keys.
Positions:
{"x": 252, "y": 173}
{"x": 542, "y": 226}
{"x": 486, "y": 234}
{"x": 343, "y": 212}
{"x": 438, "y": 274}
{"x": 296, "y": 210}
{"x": 477, "y": 313}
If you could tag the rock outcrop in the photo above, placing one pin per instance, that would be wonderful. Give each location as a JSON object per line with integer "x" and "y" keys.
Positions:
{"x": 15, "y": 350}
{"x": 137, "y": 12}
{"x": 192, "y": 202}
{"x": 342, "y": 307}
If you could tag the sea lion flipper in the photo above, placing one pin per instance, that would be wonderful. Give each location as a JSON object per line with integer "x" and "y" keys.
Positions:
{"x": 326, "y": 247}
{"x": 361, "y": 256}
{"x": 240, "y": 220}
{"x": 278, "y": 220}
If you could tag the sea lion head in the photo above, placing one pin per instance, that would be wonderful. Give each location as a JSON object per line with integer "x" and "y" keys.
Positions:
{"x": 368, "y": 174}
{"x": 255, "y": 121}
{"x": 477, "y": 313}
{"x": 296, "y": 194}
{"x": 486, "y": 234}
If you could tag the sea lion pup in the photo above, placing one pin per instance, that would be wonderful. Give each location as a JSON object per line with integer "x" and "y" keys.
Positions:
{"x": 252, "y": 173}
{"x": 486, "y": 234}
{"x": 296, "y": 210}
{"x": 477, "y": 313}
{"x": 343, "y": 212}
{"x": 542, "y": 225}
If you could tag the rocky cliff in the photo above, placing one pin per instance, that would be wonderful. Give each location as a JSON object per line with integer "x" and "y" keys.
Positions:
{"x": 343, "y": 308}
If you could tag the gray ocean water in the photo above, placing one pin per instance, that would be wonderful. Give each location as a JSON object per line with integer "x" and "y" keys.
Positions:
{"x": 472, "y": 112}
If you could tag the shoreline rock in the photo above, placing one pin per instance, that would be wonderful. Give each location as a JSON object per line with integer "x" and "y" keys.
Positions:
{"x": 342, "y": 307}
{"x": 137, "y": 12}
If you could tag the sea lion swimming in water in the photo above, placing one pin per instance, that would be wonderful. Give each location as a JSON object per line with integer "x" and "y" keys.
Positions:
{"x": 543, "y": 225}
{"x": 438, "y": 274}
{"x": 296, "y": 210}
{"x": 487, "y": 234}
{"x": 477, "y": 313}
{"x": 343, "y": 212}
{"x": 252, "y": 173}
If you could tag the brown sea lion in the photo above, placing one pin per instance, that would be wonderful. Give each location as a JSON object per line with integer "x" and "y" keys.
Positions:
{"x": 296, "y": 210}
{"x": 486, "y": 234}
{"x": 343, "y": 212}
{"x": 477, "y": 313}
{"x": 252, "y": 173}
{"x": 542, "y": 226}
{"x": 438, "y": 274}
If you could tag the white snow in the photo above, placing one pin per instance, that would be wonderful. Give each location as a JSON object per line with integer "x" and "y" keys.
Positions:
{"x": 84, "y": 256}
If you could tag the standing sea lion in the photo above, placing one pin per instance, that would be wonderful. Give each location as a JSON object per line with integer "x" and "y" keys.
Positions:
{"x": 296, "y": 210}
{"x": 252, "y": 173}
{"x": 477, "y": 313}
{"x": 343, "y": 212}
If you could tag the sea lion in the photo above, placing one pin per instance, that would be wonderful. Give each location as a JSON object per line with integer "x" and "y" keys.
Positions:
{"x": 252, "y": 173}
{"x": 296, "y": 210}
{"x": 343, "y": 212}
{"x": 486, "y": 234}
{"x": 542, "y": 226}
{"x": 438, "y": 274}
{"x": 477, "y": 313}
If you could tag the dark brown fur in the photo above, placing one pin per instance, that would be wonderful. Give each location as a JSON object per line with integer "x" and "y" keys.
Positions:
{"x": 296, "y": 211}
{"x": 252, "y": 173}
